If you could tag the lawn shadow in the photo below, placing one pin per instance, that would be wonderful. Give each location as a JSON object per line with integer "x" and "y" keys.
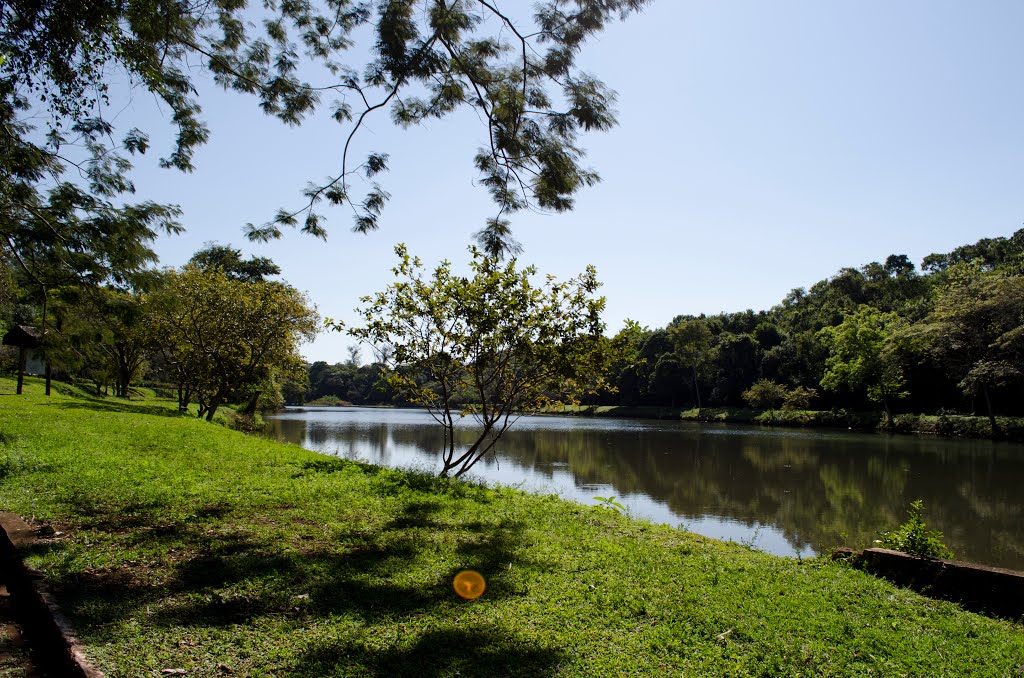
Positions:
{"x": 471, "y": 651}
{"x": 219, "y": 578}
{"x": 214, "y": 570}
{"x": 116, "y": 406}
{"x": 375, "y": 575}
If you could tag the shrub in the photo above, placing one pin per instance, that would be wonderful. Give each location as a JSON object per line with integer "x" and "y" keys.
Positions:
{"x": 912, "y": 536}
{"x": 766, "y": 394}
{"x": 799, "y": 398}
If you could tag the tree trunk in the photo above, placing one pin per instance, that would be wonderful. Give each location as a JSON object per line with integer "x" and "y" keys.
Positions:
{"x": 21, "y": 367}
{"x": 696, "y": 389}
{"x": 123, "y": 377}
{"x": 49, "y": 376}
{"x": 250, "y": 408}
{"x": 888, "y": 414}
{"x": 43, "y": 340}
{"x": 215, "y": 402}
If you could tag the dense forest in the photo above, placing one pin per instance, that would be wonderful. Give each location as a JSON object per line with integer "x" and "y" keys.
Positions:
{"x": 948, "y": 337}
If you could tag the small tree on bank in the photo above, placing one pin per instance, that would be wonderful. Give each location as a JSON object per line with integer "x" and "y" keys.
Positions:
{"x": 766, "y": 394}
{"x": 491, "y": 345}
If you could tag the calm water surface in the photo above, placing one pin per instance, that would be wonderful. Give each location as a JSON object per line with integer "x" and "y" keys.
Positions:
{"x": 784, "y": 491}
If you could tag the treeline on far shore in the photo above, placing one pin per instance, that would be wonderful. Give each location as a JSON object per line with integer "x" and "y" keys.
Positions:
{"x": 945, "y": 424}
{"x": 938, "y": 341}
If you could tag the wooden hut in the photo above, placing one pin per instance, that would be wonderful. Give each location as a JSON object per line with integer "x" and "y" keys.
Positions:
{"x": 27, "y": 339}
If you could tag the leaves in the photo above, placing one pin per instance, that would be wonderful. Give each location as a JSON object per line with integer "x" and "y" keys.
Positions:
{"x": 419, "y": 61}
{"x": 221, "y": 332}
{"x": 914, "y": 538}
{"x": 490, "y": 345}
{"x": 860, "y": 357}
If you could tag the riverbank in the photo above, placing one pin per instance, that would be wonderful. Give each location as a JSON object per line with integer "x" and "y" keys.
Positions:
{"x": 945, "y": 425}
{"x": 175, "y": 544}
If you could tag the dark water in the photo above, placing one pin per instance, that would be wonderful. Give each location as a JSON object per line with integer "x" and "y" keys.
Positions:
{"x": 784, "y": 491}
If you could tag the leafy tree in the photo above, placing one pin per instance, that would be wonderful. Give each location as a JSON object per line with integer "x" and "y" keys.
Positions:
{"x": 57, "y": 232}
{"x": 424, "y": 60}
{"x": 766, "y": 394}
{"x": 229, "y": 338}
{"x": 976, "y": 333}
{"x": 991, "y": 254}
{"x": 628, "y": 344}
{"x": 668, "y": 383}
{"x": 109, "y": 333}
{"x": 986, "y": 376}
{"x": 229, "y": 260}
{"x": 492, "y": 340}
{"x": 799, "y": 398}
{"x": 737, "y": 361}
{"x": 861, "y": 356}
{"x": 653, "y": 346}
{"x": 693, "y": 344}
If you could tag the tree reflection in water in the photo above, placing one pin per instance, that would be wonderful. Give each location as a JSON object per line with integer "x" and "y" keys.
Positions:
{"x": 792, "y": 490}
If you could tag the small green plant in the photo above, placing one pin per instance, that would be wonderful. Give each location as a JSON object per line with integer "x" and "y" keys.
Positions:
{"x": 912, "y": 537}
{"x": 610, "y": 504}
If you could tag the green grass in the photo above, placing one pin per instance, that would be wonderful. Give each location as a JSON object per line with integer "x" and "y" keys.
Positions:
{"x": 187, "y": 545}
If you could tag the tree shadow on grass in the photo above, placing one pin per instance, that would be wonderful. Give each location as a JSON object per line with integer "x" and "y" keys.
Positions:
{"x": 397, "y": 570}
{"x": 116, "y": 406}
{"x": 381, "y": 574}
{"x": 470, "y": 651}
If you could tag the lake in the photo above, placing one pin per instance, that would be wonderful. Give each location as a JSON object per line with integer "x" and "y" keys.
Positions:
{"x": 790, "y": 492}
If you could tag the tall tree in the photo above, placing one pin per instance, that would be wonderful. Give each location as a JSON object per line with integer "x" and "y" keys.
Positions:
{"x": 229, "y": 260}
{"x": 694, "y": 347}
{"x": 861, "y": 356}
{"x": 976, "y": 333}
{"x": 492, "y": 341}
{"x": 225, "y": 337}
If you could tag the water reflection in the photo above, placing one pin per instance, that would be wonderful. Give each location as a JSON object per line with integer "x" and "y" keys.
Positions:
{"x": 786, "y": 491}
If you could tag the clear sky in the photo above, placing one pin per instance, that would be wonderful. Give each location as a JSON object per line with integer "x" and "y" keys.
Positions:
{"x": 761, "y": 146}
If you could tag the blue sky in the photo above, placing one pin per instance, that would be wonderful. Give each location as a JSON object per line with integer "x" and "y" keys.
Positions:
{"x": 760, "y": 147}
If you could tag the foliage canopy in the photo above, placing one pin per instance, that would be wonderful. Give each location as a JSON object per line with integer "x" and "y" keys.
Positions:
{"x": 221, "y": 334}
{"x": 413, "y": 59}
{"x": 861, "y": 355}
{"x": 491, "y": 345}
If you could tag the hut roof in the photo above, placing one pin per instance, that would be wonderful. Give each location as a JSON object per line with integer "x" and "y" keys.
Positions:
{"x": 24, "y": 336}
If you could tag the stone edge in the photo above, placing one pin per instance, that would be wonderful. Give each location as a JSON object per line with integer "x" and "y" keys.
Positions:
{"x": 42, "y": 616}
{"x": 993, "y": 591}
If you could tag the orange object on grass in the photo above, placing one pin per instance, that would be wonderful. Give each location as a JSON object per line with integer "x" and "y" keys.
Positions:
{"x": 469, "y": 584}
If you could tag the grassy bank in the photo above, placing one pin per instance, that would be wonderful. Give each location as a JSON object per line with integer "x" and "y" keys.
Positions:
{"x": 946, "y": 425}
{"x": 180, "y": 544}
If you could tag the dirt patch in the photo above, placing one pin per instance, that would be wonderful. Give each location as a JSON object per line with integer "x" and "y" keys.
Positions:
{"x": 54, "y": 650}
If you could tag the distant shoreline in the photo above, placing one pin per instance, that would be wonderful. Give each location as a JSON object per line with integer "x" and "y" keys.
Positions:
{"x": 1011, "y": 429}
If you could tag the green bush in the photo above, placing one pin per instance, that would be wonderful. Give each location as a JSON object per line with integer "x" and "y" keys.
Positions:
{"x": 913, "y": 423}
{"x": 912, "y": 536}
{"x": 793, "y": 417}
{"x": 329, "y": 401}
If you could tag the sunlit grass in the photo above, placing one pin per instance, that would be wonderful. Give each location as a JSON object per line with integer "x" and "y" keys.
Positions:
{"x": 186, "y": 545}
